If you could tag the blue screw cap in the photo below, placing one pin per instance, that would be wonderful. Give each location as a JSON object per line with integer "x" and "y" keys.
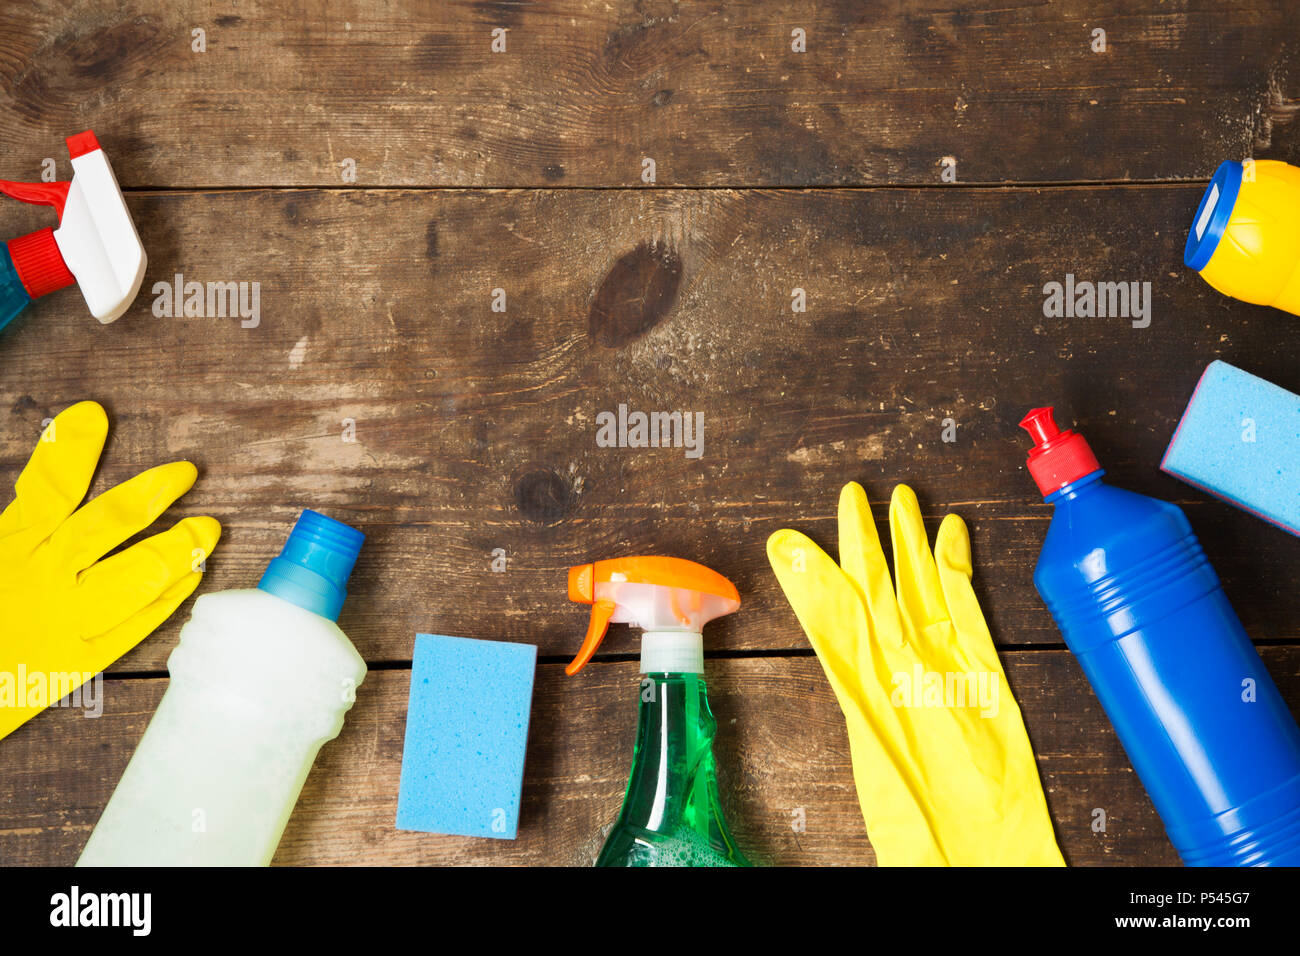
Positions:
{"x": 314, "y": 564}
{"x": 1212, "y": 215}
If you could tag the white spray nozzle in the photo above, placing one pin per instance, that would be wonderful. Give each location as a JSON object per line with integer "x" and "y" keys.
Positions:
{"x": 96, "y": 235}
{"x": 95, "y": 244}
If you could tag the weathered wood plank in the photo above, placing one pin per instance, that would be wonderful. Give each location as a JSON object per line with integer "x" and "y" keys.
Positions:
{"x": 781, "y": 748}
{"x": 411, "y": 92}
{"x": 476, "y": 430}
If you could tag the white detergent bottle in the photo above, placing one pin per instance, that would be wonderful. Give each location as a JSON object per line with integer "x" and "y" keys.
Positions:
{"x": 259, "y": 681}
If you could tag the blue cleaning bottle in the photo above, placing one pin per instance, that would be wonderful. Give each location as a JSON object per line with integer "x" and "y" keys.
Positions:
{"x": 14, "y": 296}
{"x": 1140, "y": 607}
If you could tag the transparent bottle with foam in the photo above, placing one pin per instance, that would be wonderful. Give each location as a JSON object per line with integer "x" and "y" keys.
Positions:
{"x": 260, "y": 680}
{"x": 672, "y": 813}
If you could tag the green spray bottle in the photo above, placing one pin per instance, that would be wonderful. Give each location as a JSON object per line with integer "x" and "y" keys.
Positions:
{"x": 671, "y": 814}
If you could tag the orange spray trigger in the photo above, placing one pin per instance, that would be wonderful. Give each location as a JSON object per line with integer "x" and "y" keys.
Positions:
{"x": 670, "y": 599}
{"x": 601, "y": 612}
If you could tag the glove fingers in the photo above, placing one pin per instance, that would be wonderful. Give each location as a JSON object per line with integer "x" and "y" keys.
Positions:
{"x": 920, "y": 595}
{"x": 59, "y": 472}
{"x": 823, "y": 599}
{"x": 110, "y": 646}
{"x": 122, "y": 511}
{"x": 863, "y": 560}
{"x": 952, "y": 555}
{"x": 117, "y": 589}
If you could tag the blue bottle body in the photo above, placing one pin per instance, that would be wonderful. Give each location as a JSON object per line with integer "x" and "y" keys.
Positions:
{"x": 1201, "y": 720}
{"x": 13, "y": 297}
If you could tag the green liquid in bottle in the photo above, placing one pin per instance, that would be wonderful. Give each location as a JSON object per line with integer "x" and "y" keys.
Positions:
{"x": 671, "y": 814}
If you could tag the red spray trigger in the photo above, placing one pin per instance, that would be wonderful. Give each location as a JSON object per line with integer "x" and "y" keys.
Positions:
{"x": 38, "y": 194}
{"x": 51, "y": 194}
{"x": 1058, "y": 457}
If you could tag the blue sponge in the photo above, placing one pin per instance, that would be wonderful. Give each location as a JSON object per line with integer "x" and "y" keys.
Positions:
{"x": 466, "y": 733}
{"x": 1240, "y": 440}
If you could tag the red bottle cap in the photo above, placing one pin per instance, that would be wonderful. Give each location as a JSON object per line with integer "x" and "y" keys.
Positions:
{"x": 39, "y": 263}
{"x": 1058, "y": 457}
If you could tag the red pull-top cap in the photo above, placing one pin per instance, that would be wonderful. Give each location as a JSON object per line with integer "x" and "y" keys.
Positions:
{"x": 1058, "y": 457}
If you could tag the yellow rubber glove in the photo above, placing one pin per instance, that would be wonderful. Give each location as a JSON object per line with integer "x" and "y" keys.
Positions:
{"x": 66, "y": 615}
{"x": 944, "y": 771}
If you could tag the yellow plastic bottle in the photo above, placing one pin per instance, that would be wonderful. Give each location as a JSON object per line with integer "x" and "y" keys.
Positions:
{"x": 1245, "y": 239}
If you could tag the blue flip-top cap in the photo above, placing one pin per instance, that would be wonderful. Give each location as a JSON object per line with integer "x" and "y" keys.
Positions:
{"x": 1212, "y": 215}
{"x": 313, "y": 567}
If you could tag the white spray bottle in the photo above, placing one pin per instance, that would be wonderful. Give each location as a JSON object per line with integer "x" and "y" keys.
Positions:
{"x": 95, "y": 244}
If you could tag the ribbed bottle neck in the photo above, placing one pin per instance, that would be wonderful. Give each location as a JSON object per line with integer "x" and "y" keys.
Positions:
{"x": 672, "y": 652}
{"x": 1089, "y": 482}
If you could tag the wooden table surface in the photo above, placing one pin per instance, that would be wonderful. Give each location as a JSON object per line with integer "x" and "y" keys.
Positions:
{"x": 380, "y": 171}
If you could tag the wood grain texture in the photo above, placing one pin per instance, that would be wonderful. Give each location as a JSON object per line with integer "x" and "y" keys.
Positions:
{"x": 781, "y": 748}
{"x": 476, "y": 430}
{"x": 411, "y": 91}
